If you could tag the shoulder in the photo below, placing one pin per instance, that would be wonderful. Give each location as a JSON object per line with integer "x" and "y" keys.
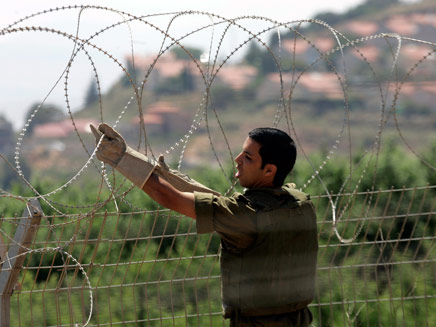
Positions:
{"x": 232, "y": 204}
{"x": 233, "y": 217}
{"x": 286, "y": 196}
{"x": 298, "y": 195}
{"x": 209, "y": 197}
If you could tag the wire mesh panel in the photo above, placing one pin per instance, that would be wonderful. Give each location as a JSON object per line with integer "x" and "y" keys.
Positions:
{"x": 384, "y": 275}
{"x": 151, "y": 268}
{"x": 104, "y": 254}
{"x": 138, "y": 269}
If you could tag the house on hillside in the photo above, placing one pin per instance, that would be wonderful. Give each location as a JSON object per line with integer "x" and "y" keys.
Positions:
{"x": 361, "y": 27}
{"x": 424, "y": 19}
{"x": 370, "y": 52}
{"x": 237, "y": 76}
{"x": 167, "y": 68}
{"x": 310, "y": 85}
{"x": 164, "y": 69}
{"x": 306, "y": 50}
{"x": 63, "y": 129}
{"x": 401, "y": 24}
{"x": 416, "y": 52}
{"x": 48, "y": 144}
{"x": 164, "y": 117}
{"x": 422, "y": 94}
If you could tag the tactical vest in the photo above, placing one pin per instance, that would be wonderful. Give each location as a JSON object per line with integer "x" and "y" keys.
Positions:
{"x": 277, "y": 273}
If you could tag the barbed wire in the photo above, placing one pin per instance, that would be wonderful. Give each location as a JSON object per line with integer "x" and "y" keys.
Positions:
{"x": 340, "y": 204}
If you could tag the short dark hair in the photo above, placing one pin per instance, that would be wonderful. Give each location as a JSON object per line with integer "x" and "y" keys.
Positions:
{"x": 277, "y": 148}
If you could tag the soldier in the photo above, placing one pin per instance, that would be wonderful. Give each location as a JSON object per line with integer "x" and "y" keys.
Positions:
{"x": 268, "y": 234}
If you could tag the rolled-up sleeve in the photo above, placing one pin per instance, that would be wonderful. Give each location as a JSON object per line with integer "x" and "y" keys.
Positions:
{"x": 231, "y": 217}
{"x": 204, "y": 212}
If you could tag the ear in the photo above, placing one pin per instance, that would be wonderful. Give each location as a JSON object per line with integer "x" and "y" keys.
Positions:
{"x": 270, "y": 170}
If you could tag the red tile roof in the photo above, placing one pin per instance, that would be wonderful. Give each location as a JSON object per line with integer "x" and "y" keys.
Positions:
{"x": 63, "y": 128}
{"x": 362, "y": 27}
{"x": 370, "y": 52}
{"x": 429, "y": 87}
{"x": 406, "y": 88}
{"x": 298, "y": 46}
{"x": 324, "y": 43}
{"x": 415, "y": 52}
{"x": 402, "y": 25}
{"x": 323, "y": 83}
{"x": 167, "y": 65}
{"x": 237, "y": 76}
{"x": 424, "y": 18}
{"x": 162, "y": 107}
{"x": 149, "y": 119}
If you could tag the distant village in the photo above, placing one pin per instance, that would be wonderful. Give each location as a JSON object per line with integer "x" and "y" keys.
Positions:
{"x": 313, "y": 83}
{"x": 320, "y": 82}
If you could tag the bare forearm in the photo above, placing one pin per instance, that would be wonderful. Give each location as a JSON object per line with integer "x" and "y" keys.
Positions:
{"x": 168, "y": 196}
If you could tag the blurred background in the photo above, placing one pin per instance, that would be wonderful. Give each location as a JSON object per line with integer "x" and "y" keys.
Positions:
{"x": 34, "y": 71}
{"x": 353, "y": 82}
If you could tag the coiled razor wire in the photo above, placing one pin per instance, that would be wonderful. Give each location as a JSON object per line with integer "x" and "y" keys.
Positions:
{"x": 208, "y": 74}
{"x": 69, "y": 256}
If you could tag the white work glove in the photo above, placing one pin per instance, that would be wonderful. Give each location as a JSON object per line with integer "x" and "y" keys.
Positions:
{"x": 137, "y": 167}
{"x": 114, "y": 151}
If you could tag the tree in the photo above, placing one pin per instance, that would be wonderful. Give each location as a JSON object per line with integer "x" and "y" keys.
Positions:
{"x": 133, "y": 71}
{"x": 91, "y": 94}
{"x": 254, "y": 54}
{"x": 181, "y": 53}
{"x": 369, "y": 7}
{"x": 221, "y": 96}
{"x": 7, "y": 174}
{"x": 46, "y": 113}
{"x": 6, "y": 135}
{"x": 187, "y": 80}
{"x": 184, "y": 82}
{"x": 260, "y": 57}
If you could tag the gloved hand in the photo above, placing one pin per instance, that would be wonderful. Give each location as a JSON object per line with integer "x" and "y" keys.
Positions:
{"x": 112, "y": 148}
{"x": 114, "y": 151}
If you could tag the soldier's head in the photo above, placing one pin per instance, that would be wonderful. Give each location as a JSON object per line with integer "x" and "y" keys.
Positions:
{"x": 268, "y": 156}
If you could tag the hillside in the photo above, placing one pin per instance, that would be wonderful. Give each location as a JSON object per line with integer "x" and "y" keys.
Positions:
{"x": 301, "y": 83}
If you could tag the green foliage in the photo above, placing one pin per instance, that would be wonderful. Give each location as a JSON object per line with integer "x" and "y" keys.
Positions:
{"x": 134, "y": 248}
{"x": 177, "y": 85}
{"x": 370, "y": 7}
{"x": 6, "y": 135}
{"x": 186, "y": 53}
{"x": 367, "y": 8}
{"x": 92, "y": 94}
{"x": 8, "y": 174}
{"x": 260, "y": 58}
{"x": 410, "y": 109}
{"x": 222, "y": 96}
{"x": 429, "y": 160}
{"x": 46, "y": 113}
{"x": 329, "y": 17}
{"x": 127, "y": 80}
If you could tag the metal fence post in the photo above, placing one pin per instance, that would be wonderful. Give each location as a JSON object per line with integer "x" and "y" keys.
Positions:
{"x": 13, "y": 261}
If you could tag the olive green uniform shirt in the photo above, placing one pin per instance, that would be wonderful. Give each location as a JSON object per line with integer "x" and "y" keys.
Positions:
{"x": 268, "y": 248}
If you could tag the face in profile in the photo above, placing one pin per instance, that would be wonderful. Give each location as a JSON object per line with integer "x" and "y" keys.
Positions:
{"x": 248, "y": 165}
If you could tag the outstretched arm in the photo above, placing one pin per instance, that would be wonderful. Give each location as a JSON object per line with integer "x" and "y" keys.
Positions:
{"x": 169, "y": 188}
{"x": 169, "y": 197}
